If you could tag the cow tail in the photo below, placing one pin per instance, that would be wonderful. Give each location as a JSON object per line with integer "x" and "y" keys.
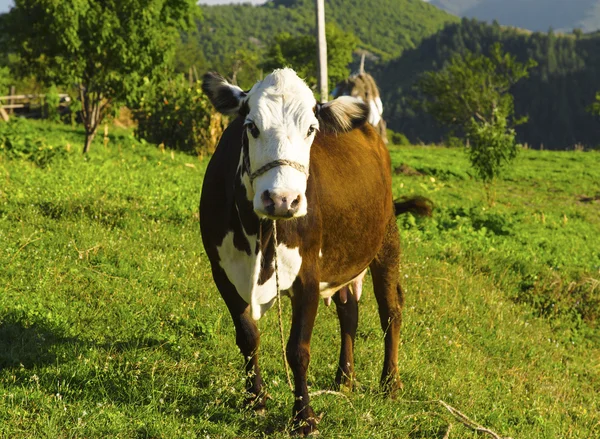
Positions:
{"x": 418, "y": 205}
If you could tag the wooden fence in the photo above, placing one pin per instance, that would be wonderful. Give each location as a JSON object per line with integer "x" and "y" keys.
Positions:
{"x": 14, "y": 101}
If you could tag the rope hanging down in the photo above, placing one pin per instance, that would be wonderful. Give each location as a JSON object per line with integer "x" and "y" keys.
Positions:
{"x": 285, "y": 363}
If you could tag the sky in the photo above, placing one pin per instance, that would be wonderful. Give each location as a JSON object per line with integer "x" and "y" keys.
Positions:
{"x": 5, "y": 5}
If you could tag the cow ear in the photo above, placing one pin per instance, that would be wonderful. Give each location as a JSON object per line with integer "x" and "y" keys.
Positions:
{"x": 342, "y": 114}
{"x": 226, "y": 98}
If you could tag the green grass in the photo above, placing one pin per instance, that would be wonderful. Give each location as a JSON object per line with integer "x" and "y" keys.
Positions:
{"x": 110, "y": 324}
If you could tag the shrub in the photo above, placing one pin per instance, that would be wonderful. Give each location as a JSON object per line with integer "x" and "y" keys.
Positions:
{"x": 178, "y": 116}
{"x": 51, "y": 104}
{"x": 5, "y": 79}
{"x": 18, "y": 140}
{"x": 398, "y": 138}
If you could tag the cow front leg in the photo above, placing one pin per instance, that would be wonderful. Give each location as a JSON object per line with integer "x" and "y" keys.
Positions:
{"x": 247, "y": 338}
{"x": 305, "y": 302}
{"x": 347, "y": 310}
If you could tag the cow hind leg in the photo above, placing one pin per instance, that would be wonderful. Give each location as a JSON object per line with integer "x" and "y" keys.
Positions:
{"x": 390, "y": 300}
{"x": 347, "y": 312}
{"x": 247, "y": 338}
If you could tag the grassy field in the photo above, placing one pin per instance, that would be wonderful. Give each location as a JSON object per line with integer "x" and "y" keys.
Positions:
{"x": 110, "y": 324}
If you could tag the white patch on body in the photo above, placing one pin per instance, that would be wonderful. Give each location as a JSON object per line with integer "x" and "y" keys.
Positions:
{"x": 243, "y": 271}
{"x": 355, "y": 285}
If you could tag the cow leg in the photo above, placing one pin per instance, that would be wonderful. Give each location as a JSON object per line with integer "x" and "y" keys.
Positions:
{"x": 348, "y": 314}
{"x": 390, "y": 299}
{"x": 305, "y": 302}
{"x": 247, "y": 338}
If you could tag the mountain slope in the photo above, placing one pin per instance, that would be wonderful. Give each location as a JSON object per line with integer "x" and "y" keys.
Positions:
{"x": 385, "y": 27}
{"x": 555, "y": 96}
{"x": 536, "y": 15}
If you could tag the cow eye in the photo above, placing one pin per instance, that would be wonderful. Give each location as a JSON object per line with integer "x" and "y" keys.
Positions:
{"x": 311, "y": 131}
{"x": 253, "y": 129}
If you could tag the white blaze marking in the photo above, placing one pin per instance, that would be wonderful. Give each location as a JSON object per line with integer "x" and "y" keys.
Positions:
{"x": 281, "y": 107}
{"x": 243, "y": 271}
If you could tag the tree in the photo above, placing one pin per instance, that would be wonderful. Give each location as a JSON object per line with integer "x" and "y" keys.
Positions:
{"x": 595, "y": 107}
{"x": 5, "y": 79}
{"x": 471, "y": 96}
{"x": 104, "y": 47}
{"x": 299, "y": 54}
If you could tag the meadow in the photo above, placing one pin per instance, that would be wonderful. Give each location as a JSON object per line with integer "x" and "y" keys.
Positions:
{"x": 111, "y": 326}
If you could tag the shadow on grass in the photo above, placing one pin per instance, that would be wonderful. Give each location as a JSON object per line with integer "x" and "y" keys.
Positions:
{"x": 38, "y": 354}
{"x": 23, "y": 345}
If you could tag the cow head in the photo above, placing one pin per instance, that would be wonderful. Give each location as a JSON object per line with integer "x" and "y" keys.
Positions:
{"x": 281, "y": 119}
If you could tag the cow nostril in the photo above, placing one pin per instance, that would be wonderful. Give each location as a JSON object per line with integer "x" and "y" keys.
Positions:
{"x": 295, "y": 203}
{"x": 266, "y": 199}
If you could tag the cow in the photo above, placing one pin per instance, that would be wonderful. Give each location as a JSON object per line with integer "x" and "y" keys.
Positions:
{"x": 319, "y": 177}
{"x": 361, "y": 85}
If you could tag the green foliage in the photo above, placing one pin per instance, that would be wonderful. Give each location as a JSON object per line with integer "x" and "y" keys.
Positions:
{"x": 299, "y": 53}
{"x": 51, "y": 103}
{"x": 595, "y": 107}
{"x": 384, "y": 27}
{"x": 178, "y": 115}
{"x": 20, "y": 140}
{"x": 397, "y": 138}
{"x": 472, "y": 94}
{"x": 111, "y": 325}
{"x": 107, "y": 48}
{"x": 491, "y": 144}
{"x": 5, "y": 79}
{"x": 554, "y": 97}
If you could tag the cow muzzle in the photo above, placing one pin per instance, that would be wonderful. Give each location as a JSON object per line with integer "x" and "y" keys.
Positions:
{"x": 280, "y": 204}
{"x": 280, "y": 193}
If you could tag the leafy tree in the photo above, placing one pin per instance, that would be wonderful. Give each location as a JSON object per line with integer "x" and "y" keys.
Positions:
{"x": 243, "y": 68}
{"x": 471, "y": 96}
{"x": 299, "y": 53}
{"x": 5, "y": 79}
{"x": 178, "y": 115}
{"x": 595, "y": 107}
{"x": 104, "y": 47}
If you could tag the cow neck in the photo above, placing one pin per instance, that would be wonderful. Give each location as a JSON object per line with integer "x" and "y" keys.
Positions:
{"x": 251, "y": 224}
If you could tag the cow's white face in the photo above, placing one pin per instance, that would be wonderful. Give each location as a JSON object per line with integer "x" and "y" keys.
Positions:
{"x": 281, "y": 118}
{"x": 281, "y": 125}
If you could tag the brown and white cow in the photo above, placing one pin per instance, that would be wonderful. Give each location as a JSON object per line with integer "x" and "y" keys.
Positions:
{"x": 324, "y": 176}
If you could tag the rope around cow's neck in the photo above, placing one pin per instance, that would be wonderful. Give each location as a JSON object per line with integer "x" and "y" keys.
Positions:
{"x": 287, "y": 369}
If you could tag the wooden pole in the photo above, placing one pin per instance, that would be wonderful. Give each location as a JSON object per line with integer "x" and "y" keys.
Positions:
{"x": 12, "y": 93}
{"x": 322, "y": 51}
{"x": 4, "y": 114}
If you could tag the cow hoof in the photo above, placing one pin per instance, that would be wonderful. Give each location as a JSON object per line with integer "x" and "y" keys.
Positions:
{"x": 305, "y": 423}
{"x": 344, "y": 382}
{"x": 392, "y": 387}
{"x": 257, "y": 403}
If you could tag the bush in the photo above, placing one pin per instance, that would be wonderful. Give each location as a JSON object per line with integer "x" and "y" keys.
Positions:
{"x": 51, "y": 104}
{"x": 398, "y": 138}
{"x": 178, "y": 116}
{"x": 5, "y": 80}
{"x": 19, "y": 141}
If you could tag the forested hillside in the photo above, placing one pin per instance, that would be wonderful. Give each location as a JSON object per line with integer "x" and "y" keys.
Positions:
{"x": 537, "y": 15}
{"x": 385, "y": 27}
{"x": 555, "y": 96}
